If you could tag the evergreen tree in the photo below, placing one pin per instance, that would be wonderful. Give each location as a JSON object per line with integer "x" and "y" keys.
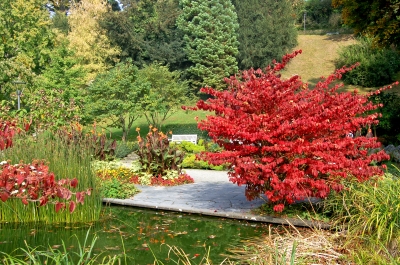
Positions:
{"x": 210, "y": 28}
{"x": 266, "y": 31}
{"x": 146, "y": 32}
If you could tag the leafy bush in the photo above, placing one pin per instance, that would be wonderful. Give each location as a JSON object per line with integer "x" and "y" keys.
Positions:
{"x": 115, "y": 188}
{"x": 125, "y": 148}
{"x": 378, "y": 67}
{"x": 388, "y": 129}
{"x": 191, "y": 160}
{"x": 156, "y": 156}
{"x": 286, "y": 140}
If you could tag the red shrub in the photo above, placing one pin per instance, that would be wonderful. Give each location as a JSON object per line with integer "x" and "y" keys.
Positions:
{"x": 34, "y": 183}
{"x": 286, "y": 140}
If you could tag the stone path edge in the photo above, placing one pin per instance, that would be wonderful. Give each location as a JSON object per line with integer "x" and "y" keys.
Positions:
{"x": 231, "y": 215}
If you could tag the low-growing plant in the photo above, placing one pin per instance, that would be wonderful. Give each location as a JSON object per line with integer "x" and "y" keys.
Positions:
{"x": 369, "y": 212}
{"x": 125, "y": 148}
{"x": 34, "y": 183}
{"x": 192, "y": 161}
{"x": 118, "y": 189}
{"x": 156, "y": 156}
{"x": 192, "y": 151}
{"x": 84, "y": 256}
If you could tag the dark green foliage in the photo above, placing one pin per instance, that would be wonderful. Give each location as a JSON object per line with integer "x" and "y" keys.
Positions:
{"x": 146, "y": 32}
{"x": 266, "y": 31}
{"x": 378, "y": 66}
{"x": 379, "y": 19}
{"x": 388, "y": 129}
{"x": 125, "y": 148}
{"x": 210, "y": 35}
{"x": 320, "y": 14}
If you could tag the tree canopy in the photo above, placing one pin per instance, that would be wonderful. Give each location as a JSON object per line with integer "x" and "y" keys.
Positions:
{"x": 266, "y": 31}
{"x": 379, "y": 19}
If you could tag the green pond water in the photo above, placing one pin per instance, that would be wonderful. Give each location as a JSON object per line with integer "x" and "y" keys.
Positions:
{"x": 142, "y": 232}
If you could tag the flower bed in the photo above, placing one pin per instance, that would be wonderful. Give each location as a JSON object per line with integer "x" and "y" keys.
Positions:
{"x": 127, "y": 175}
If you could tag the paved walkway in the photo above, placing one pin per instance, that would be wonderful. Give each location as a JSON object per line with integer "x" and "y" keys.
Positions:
{"x": 211, "y": 194}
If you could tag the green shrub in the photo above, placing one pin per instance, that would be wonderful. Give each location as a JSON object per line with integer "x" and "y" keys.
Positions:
{"x": 378, "y": 67}
{"x": 114, "y": 188}
{"x": 125, "y": 148}
{"x": 192, "y": 149}
{"x": 190, "y": 161}
{"x": 388, "y": 129}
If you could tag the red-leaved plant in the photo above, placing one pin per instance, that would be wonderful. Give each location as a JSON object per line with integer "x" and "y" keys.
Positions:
{"x": 34, "y": 183}
{"x": 287, "y": 141}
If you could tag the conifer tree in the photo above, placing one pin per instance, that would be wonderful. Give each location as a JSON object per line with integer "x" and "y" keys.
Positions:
{"x": 266, "y": 31}
{"x": 210, "y": 35}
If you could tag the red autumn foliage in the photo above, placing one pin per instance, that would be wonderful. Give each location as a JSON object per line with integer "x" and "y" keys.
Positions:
{"x": 34, "y": 183}
{"x": 287, "y": 141}
{"x": 8, "y": 129}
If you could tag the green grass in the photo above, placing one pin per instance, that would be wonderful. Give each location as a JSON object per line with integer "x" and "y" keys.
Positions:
{"x": 182, "y": 122}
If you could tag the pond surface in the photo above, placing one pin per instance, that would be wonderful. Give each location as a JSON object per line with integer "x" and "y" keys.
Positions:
{"x": 141, "y": 232}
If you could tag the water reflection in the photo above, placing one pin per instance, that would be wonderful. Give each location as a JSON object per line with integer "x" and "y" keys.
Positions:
{"x": 140, "y": 233}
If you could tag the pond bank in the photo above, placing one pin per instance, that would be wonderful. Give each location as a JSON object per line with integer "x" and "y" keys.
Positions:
{"x": 211, "y": 194}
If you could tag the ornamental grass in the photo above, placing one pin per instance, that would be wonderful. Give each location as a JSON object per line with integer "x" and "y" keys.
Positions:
{"x": 65, "y": 161}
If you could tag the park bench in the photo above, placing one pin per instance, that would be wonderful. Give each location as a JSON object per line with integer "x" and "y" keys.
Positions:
{"x": 178, "y": 138}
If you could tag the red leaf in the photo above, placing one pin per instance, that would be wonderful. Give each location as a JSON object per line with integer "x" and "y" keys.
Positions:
{"x": 72, "y": 206}
{"x": 80, "y": 197}
{"x": 4, "y": 196}
{"x": 20, "y": 179}
{"x": 59, "y": 206}
{"x": 74, "y": 183}
{"x": 24, "y": 201}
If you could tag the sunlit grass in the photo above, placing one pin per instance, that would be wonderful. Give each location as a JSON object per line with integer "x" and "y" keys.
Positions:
{"x": 182, "y": 122}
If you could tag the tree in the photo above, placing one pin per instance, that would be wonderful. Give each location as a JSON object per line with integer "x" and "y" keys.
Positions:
{"x": 266, "y": 31}
{"x": 58, "y": 96}
{"x": 287, "y": 141}
{"x": 25, "y": 44}
{"x": 146, "y": 32}
{"x": 166, "y": 94}
{"x": 379, "y": 19}
{"x": 210, "y": 29}
{"x": 89, "y": 39}
{"x": 115, "y": 95}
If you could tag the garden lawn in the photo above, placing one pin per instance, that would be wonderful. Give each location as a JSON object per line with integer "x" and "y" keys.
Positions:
{"x": 182, "y": 122}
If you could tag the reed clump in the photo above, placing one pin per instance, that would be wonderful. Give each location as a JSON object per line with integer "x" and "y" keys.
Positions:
{"x": 65, "y": 160}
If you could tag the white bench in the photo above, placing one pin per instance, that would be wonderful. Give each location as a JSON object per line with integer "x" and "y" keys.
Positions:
{"x": 184, "y": 138}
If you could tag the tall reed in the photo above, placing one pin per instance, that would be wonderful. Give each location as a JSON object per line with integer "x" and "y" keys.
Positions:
{"x": 66, "y": 161}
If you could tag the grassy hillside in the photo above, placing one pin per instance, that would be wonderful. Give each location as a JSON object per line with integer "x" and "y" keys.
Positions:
{"x": 319, "y": 53}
